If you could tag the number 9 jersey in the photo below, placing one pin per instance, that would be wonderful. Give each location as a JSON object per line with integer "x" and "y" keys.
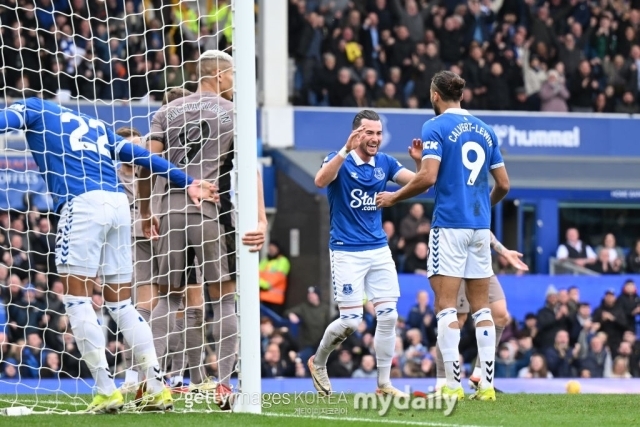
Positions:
{"x": 467, "y": 149}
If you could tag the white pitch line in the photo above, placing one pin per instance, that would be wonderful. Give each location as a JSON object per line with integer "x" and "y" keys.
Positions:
{"x": 370, "y": 420}
{"x": 310, "y": 417}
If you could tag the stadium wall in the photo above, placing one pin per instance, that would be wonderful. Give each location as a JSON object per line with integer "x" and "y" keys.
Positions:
{"x": 544, "y": 134}
{"x": 45, "y": 387}
{"x": 524, "y": 294}
{"x": 535, "y": 134}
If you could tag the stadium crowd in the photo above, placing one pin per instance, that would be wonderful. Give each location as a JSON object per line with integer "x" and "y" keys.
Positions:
{"x": 528, "y": 55}
{"x": 515, "y": 55}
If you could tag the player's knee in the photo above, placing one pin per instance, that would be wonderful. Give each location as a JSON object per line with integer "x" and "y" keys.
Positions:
{"x": 386, "y": 314}
{"x": 500, "y": 317}
{"x": 447, "y": 318}
{"x": 482, "y": 318}
{"x": 350, "y": 321}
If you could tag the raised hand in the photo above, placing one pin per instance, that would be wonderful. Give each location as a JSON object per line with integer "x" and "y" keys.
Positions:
{"x": 415, "y": 150}
{"x": 354, "y": 139}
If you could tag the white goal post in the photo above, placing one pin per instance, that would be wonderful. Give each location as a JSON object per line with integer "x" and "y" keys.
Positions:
{"x": 249, "y": 375}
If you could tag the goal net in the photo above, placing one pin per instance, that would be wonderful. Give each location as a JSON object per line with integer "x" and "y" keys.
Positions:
{"x": 119, "y": 61}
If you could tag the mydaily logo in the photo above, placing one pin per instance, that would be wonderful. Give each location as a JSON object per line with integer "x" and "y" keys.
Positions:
{"x": 384, "y": 403}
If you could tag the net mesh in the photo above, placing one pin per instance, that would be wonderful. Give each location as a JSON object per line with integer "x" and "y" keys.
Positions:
{"x": 118, "y": 61}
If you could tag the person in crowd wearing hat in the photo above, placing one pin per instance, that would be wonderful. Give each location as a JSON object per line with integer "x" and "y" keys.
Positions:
{"x": 552, "y": 318}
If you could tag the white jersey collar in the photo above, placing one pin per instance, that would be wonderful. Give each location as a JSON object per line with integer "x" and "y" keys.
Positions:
{"x": 360, "y": 162}
{"x": 460, "y": 111}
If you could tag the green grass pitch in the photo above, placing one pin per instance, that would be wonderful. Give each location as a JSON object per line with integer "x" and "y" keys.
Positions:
{"x": 510, "y": 410}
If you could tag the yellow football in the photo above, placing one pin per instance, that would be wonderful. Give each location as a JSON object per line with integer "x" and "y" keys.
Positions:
{"x": 573, "y": 387}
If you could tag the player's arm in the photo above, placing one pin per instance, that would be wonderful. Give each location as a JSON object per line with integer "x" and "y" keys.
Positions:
{"x": 421, "y": 181}
{"x": 404, "y": 176}
{"x": 145, "y": 180}
{"x": 498, "y": 172}
{"x": 196, "y": 189}
{"x": 12, "y": 118}
{"x": 330, "y": 168}
{"x": 427, "y": 174}
{"x": 513, "y": 257}
{"x": 256, "y": 238}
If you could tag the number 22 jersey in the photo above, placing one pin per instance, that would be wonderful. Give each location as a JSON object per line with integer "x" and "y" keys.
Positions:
{"x": 467, "y": 149}
{"x": 356, "y": 222}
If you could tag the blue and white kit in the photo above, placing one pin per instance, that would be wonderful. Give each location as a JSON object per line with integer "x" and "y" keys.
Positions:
{"x": 467, "y": 148}
{"x": 361, "y": 262}
{"x": 76, "y": 154}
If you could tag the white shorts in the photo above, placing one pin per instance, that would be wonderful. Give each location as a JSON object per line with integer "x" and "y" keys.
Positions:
{"x": 94, "y": 236}
{"x": 371, "y": 273}
{"x": 460, "y": 252}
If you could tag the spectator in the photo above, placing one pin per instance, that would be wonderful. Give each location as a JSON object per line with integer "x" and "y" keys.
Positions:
{"x": 343, "y": 366}
{"x": 574, "y": 299}
{"x": 616, "y": 255}
{"x": 416, "y": 262}
{"x": 628, "y": 104}
{"x": 415, "y": 228}
{"x": 367, "y": 368}
{"x": 595, "y": 359}
{"x": 531, "y": 325}
{"x": 612, "y": 320}
{"x": 554, "y": 94}
{"x": 358, "y": 97}
{"x": 561, "y": 359}
{"x": 312, "y": 319}
{"x": 583, "y": 88}
{"x": 537, "y": 368}
{"x": 274, "y": 272}
{"x": 620, "y": 368}
{"x": 574, "y": 250}
{"x": 419, "y": 311}
{"x": 629, "y": 303}
{"x": 633, "y": 259}
{"x": 498, "y": 88}
{"x": 604, "y": 264}
{"x": 341, "y": 88}
{"x": 274, "y": 365}
{"x": 396, "y": 244}
{"x": 582, "y": 327}
{"x": 388, "y": 98}
{"x": 506, "y": 362}
{"x": 551, "y": 319}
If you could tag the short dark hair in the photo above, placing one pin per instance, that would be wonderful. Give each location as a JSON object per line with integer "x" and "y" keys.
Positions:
{"x": 364, "y": 114}
{"x": 175, "y": 93}
{"x": 449, "y": 85}
{"x": 127, "y": 132}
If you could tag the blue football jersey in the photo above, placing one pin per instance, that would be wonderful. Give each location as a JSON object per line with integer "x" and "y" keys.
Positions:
{"x": 356, "y": 222}
{"x": 467, "y": 149}
{"x": 74, "y": 152}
